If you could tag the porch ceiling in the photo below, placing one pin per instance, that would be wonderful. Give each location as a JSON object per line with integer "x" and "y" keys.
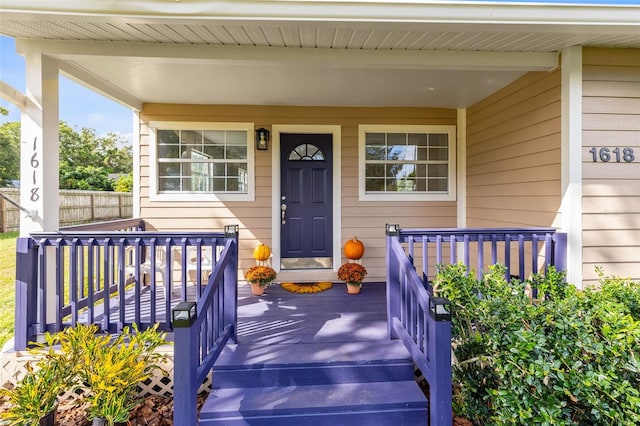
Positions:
{"x": 272, "y": 52}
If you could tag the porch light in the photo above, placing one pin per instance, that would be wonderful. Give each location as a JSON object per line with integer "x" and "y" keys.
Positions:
{"x": 392, "y": 229}
{"x": 440, "y": 308}
{"x": 262, "y": 138}
{"x": 231, "y": 231}
{"x": 184, "y": 314}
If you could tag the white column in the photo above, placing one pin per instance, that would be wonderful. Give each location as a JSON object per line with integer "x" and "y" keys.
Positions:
{"x": 39, "y": 181}
{"x": 461, "y": 166}
{"x": 135, "y": 140}
{"x": 571, "y": 154}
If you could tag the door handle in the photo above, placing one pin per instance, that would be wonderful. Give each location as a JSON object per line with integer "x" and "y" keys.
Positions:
{"x": 283, "y": 212}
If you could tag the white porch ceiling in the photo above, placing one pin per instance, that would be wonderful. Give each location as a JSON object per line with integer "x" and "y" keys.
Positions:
{"x": 274, "y": 52}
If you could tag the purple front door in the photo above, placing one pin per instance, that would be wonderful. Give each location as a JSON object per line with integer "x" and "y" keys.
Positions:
{"x": 306, "y": 205}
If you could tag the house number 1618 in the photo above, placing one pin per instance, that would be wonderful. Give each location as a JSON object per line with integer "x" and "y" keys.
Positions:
{"x": 616, "y": 154}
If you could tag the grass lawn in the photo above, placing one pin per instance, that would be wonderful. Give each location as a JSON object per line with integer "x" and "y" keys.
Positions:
{"x": 7, "y": 284}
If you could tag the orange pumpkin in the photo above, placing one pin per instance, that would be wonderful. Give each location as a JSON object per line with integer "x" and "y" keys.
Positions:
{"x": 354, "y": 249}
{"x": 261, "y": 252}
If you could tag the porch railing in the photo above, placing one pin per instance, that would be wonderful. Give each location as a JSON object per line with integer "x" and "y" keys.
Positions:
{"x": 423, "y": 323}
{"x": 201, "y": 330}
{"x": 521, "y": 250}
{"x": 110, "y": 278}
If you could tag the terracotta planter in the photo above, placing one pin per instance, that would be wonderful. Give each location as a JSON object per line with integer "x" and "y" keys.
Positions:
{"x": 353, "y": 289}
{"x": 257, "y": 289}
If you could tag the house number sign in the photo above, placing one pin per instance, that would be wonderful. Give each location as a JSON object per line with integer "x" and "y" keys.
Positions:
{"x": 35, "y": 196}
{"x": 617, "y": 154}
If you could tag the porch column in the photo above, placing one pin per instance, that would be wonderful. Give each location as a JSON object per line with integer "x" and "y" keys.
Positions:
{"x": 571, "y": 160}
{"x": 39, "y": 182}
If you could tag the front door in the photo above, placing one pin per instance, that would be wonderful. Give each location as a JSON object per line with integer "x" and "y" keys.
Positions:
{"x": 306, "y": 209}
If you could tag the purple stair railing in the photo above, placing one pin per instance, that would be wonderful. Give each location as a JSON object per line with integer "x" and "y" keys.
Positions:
{"x": 108, "y": 278}
{"x": 423, "y": 323}
{"x": 202, "y": 329}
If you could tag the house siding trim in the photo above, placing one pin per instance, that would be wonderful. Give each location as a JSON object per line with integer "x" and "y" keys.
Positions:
{"x": 571, "y": 165}
{"x": 336, "y": 132}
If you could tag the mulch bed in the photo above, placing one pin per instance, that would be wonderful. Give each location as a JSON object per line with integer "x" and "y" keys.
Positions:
{"x": 154, "y": 410}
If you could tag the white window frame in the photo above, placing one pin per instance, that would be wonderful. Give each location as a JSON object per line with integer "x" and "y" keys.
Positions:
{"x": 449, "y": 195}
{"x": 154, "y": 195}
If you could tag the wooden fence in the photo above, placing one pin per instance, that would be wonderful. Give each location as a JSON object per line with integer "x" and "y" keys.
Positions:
{"x": 75, "y": 207}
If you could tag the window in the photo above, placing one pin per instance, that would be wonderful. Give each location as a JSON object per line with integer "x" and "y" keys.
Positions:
{"x": 202, "y": 161}
{"x": 407, "y": 162}
{"x": 306, "y": 152}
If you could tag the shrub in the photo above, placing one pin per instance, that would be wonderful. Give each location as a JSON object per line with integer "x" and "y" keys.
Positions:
{"x": 567, "y": 357}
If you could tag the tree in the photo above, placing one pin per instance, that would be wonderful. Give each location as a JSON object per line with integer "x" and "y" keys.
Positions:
{"x": 106, "y": 155}
{"x": 86, "y": 161}
{"x": 9, "y": 151}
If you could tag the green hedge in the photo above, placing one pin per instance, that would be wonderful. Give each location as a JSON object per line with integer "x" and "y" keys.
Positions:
{"x": 570, "y": 357}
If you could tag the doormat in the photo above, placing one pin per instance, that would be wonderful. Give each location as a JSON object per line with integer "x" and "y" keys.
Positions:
{"x": 307, "y": 287}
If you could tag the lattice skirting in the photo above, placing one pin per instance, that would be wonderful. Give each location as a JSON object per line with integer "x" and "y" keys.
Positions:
{"x": 12, "y": 370}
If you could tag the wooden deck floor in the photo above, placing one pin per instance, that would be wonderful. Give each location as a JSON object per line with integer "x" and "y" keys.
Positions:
{"x": 329, "y": 326}
{"x": 330, "y": 316}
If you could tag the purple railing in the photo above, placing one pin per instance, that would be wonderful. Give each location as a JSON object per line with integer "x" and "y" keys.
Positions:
{"x": 423, "y": 323}
{"x": 109, "y": 278}
{"x": 521, "y": 251}
{"x": 201, "y": 330}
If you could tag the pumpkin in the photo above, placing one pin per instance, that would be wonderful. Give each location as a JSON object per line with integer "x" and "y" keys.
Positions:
{"x": 354, "y": 249}
{"x": 261, "y": 252}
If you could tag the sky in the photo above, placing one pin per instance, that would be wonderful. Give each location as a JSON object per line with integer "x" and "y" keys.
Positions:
{"x": 79, "y": 106}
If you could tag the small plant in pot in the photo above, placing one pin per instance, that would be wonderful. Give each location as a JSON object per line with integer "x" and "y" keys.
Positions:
{"x": 353, "y": 274}
{"x": 259, "y": 277}
{"x": 34, "y": 400}
{"x": 110, "y": 368}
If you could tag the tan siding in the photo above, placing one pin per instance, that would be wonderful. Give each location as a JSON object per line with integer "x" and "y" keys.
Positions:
{"x": 364, "y": 219}
{"x": 513, "y": 154}
{"x": 611, "y": 191}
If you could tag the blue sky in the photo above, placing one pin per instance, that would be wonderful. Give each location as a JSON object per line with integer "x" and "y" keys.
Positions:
{"x": 79, "y": 106}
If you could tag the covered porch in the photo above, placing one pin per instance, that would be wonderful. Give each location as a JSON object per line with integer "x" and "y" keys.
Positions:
{"x": 281, "y": 345}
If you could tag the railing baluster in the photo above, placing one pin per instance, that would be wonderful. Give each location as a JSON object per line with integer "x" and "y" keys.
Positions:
{"x": 521, "y": 250}
{"x": 439, "y": 249}
{"x": 480, "y": 255}
{"x": 425, "y": 259}
{"x": 534, "y": 254}
{"x": 466, "y": 252}
{"x": 452, "y": 249}
{"x": 59, "y": 302}
{"x": 91, "y": 250}
{"x": 73, "y": 282}
{"x": 507, "y": 256}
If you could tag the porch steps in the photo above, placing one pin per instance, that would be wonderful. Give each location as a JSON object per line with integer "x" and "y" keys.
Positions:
{"x": 315, "y": 384}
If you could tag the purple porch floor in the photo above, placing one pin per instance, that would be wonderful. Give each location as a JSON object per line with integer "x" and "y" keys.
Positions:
{"x": 328, "y": 326}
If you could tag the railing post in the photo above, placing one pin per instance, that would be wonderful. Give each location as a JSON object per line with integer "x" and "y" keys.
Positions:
{"x": 26, "y": 302}
{"x": 186, "y": 358}
{"x": 230, "y": 285}
{"x": 560, "y": 252}
{"x": 393, "y": 276}
{"x": 439, "y": 350}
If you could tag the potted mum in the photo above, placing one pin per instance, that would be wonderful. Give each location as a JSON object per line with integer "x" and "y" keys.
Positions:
{"x": 259, "y": 277}
{"x": 353, "y": 274}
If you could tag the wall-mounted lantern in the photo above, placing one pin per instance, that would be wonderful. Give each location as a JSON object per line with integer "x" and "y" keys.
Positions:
{"x": 262, "y": 138}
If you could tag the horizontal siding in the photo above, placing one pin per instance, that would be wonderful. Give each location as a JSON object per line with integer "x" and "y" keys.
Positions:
{"x": 366, "y": 220}
{"x": 611, "y": 191}
{"x": 513, "y": 156}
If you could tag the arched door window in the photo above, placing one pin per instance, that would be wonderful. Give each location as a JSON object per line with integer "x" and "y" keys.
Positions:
{"x": 306, "y": 151}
